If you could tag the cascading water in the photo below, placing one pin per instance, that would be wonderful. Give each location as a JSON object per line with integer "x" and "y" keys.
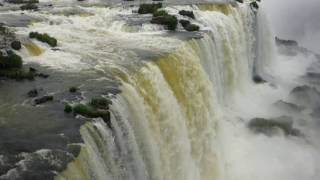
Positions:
{"x": 180, "y": 100}
{"x": 165, "y": 122}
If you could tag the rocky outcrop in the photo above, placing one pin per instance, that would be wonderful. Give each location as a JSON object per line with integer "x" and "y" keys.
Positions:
{"x": 272, "y": 126}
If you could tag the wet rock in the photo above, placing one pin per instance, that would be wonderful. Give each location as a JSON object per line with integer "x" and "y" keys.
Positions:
{"x": 285, "y": 42}
{"x": 288, "y": 107}
{"x": 305, "y": 96}
{"x": 43, "y": 99}
{"x": 22, "y": 1}
{"x": 187, "y": 13}
{"x": 45, "y": 76}
{"x": 73, "y": 89}
{"x": 31, "y": 69}
{"x": 192, "y": 27}
{"x": 33, "y": 93}
{"x": 16, "y": 45}
{"x": 184, "y": 23}
{"x": 74, "y": 149}
{"x": 29, "y": 6}
{"x": 258, "y": 79}
{"x": 272, "y": 126}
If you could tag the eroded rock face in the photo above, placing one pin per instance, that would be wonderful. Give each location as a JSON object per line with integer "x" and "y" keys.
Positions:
{"x": 305, "y": 96}
{"x": 274, "y": 126}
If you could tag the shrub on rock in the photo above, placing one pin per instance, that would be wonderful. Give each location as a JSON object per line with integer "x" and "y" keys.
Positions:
{"x": 12, "y": 60}
{"x": 149, "y": 8}
{"x": 67, "y": 108}
{"x": 44, "y": 38}
{"x": 187, "y": 13}
{"x": 170, "y": 21}
{"x": 88, "y": 111}
{"x": 160, "y": 13}
{"x": 100, "y": 103}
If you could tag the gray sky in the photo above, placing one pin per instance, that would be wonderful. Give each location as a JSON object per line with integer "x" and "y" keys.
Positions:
{"x": 296, "y": 19}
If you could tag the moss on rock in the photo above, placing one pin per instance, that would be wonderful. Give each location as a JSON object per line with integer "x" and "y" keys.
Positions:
{"x": 149, "y": 8}
{"x": 44, "y": 38}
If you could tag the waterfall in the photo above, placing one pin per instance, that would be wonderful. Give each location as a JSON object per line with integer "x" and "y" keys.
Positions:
{"x": 165, "y": 122}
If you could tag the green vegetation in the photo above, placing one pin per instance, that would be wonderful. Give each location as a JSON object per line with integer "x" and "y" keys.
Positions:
{"x": 67, "y": 108}
{"x": 170, "y": 21}
{"x": 100, "y": 103}
{"x": 160, "y": 13}
{"x": 89, "y": 111}
{"x": 17, "y": 74}
{"x": 44, "y": 38}
{"x": 10, "y": 61}
{"x": 149, "y": 8}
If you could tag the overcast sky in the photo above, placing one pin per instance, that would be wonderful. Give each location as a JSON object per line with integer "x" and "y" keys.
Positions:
{"x": 296, "y": 19}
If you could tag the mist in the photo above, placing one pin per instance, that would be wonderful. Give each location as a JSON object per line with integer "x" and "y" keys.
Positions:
{"x": 295, "y": 19}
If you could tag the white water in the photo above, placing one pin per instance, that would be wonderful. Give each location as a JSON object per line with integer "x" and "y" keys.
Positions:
{"x": 184, "y": 114}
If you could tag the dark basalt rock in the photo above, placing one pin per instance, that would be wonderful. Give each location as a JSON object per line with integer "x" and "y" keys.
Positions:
{"x": 33, "y": 93}
{"x": 31, "y": 69}
{"x": 254, "y": 5}
{"x": 286, "y": 42}
{"x": 45, "y": 76}
{"x": 22, "y": 1}
{"x": 43, "y": 99}
{"x": 73, "y": 89}
{"x": 258, "y": 79}
{"x": 192, "y": 27}
{"x": 272, "y": 126}
{"x": 305, "y": 96}
{"x": 16, "y": 45}
{"x": 184, "y": 23}
{"x": 187, "y": 13}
